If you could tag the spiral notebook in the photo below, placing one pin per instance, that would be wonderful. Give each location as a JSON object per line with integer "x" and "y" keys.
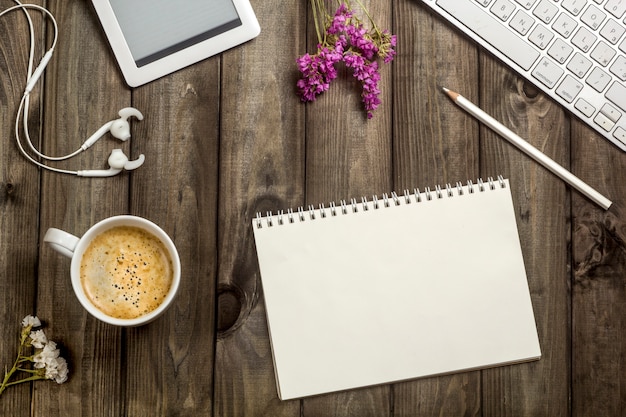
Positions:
{"x": 392, "y": 288}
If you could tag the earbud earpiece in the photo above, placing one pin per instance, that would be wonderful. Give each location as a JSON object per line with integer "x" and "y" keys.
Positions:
{"x": 118, "y": 161}
{"x": 131, "y": 165}
{"x": 119, "y": 128}
{"x": 126, "y": 112}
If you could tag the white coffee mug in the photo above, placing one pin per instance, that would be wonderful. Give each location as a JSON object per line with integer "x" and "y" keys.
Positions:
{"x": 75, "y": 247}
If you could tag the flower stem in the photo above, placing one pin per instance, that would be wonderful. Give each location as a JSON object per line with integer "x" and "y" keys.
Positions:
{"x": 9, "y": 374}
{"x": 367, "y": 13}
{"x": 318, "y": 10}
{"x": 20, "y": 359}
{"x": 36, "y": 377}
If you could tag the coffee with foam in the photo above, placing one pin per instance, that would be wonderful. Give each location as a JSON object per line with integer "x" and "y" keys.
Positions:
{"x": 126, "y": 272}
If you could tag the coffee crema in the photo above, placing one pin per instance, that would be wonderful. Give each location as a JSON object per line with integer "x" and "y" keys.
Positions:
{"x": 126, "y": 272}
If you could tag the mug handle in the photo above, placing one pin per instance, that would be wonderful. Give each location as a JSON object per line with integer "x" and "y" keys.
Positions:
{"x": 61, "y": 241}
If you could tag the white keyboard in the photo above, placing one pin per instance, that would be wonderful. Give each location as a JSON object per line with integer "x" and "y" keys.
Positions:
{"x": 573, "y": 50}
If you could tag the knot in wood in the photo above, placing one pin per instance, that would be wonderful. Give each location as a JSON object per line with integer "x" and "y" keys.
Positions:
{"x": 230, "y": 302}
{"x": 9, "y": 188}
{"x": 529, "y": 90}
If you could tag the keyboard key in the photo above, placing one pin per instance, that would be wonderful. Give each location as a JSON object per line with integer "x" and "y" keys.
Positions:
{"x": 612, "y": 31}
{"x": 560, "y": 51}
{"x": 574, "y": 6}
{"x": 526, "y": 4}
{"x": 484, "y": 3}
{"x": 611, "y": 112}
{"x": 541, "y": 36}
{"x": 569, "y": 88}
{"x": 579, "y": 65}
{"x": 584, "y": 39}
{"x": 598, "y": 79}
{"x": 502, "y": 9}
{"x": 617, "y": 95}
{"x": 593, "y": 17}
{"x": 619, "y": 68}
{"x": 545, "y": 11}
{"x": 585, "y": 107}
{"x": 487, "y": 27}
{"x": 521, "y": 22}
{"x": 620, "y": 134}
{"x": 602, "y": 54}
{"x": 604, "y": 122}
{"x": 616, "y": 7}
{"x": 564, "y": 25}
{"x": 547, "y": 72}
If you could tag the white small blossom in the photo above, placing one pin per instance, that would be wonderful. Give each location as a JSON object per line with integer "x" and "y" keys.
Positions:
{"x": 46, "y": 356}
{"x": 31, "y": 321}
{"x": 38, "y": 339}
{"x": 57, "y": 370}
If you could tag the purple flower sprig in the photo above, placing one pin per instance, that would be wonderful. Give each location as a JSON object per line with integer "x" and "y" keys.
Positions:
{"x": 345, "y": 39}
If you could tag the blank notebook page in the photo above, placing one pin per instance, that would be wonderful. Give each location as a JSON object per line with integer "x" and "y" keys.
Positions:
{"x": 406, "y": 290}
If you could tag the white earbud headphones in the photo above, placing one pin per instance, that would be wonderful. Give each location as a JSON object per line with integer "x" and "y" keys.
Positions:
{"x": 119, "y": 128}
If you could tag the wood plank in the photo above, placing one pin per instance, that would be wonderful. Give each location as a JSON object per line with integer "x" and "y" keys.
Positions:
{"x": 19, "y": 203}
{"x": 598, "y": 264}
{"x": 434, "y": 143}
{"x": 261, "y": 169}
{"x": 542, "y": 208}
{"x": 83, "y": 91}
{"x": 349, "y": 156}
{"x": 176, "y": 189}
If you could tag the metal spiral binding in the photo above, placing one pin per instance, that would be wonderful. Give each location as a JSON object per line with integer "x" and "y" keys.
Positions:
{"x": 311, "y": 213}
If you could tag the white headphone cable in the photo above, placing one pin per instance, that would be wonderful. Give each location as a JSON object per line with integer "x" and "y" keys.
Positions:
{"x": 21, "y": 148}
{"x": 32, "y": 78}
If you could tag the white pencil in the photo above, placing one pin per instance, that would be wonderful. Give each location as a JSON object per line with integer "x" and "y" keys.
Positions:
{"x": 529, "y": 149}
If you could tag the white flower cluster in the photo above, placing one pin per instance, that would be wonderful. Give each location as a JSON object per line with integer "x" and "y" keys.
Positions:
{"x": 47, "y": 357}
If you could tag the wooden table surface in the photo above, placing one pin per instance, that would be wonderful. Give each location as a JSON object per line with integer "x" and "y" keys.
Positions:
{"x": 229, "y": 137}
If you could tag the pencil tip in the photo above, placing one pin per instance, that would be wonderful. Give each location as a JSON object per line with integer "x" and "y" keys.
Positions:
{"x": 453, "y": 95}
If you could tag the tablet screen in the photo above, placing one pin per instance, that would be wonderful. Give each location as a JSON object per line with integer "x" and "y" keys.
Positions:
{"x": 157, "y": 28}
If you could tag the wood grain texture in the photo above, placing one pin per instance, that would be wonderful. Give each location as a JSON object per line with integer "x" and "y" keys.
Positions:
{"x": 78, "y": 100}
{"x": 261, "y": 169}
{"x": 542, "y": 209}
{"x": 598, "y": 309}
{"x": 227, "y": 138}
{"x": 182, "y": 139}
{"x": 19, "y": 205}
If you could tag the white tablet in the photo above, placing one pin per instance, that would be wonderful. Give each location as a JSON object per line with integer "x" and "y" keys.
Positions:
{"x": 153, "y": 38}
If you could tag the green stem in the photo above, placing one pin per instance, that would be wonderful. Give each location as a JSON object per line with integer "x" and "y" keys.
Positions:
{"x": 317, "y": 7}
{"x": 20, "y": 359}
{"x": 367, "y": 13}
{"x": 8, "y": 375}
{"x": 30, "y": 371}
{"x": 30, "y": 378}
